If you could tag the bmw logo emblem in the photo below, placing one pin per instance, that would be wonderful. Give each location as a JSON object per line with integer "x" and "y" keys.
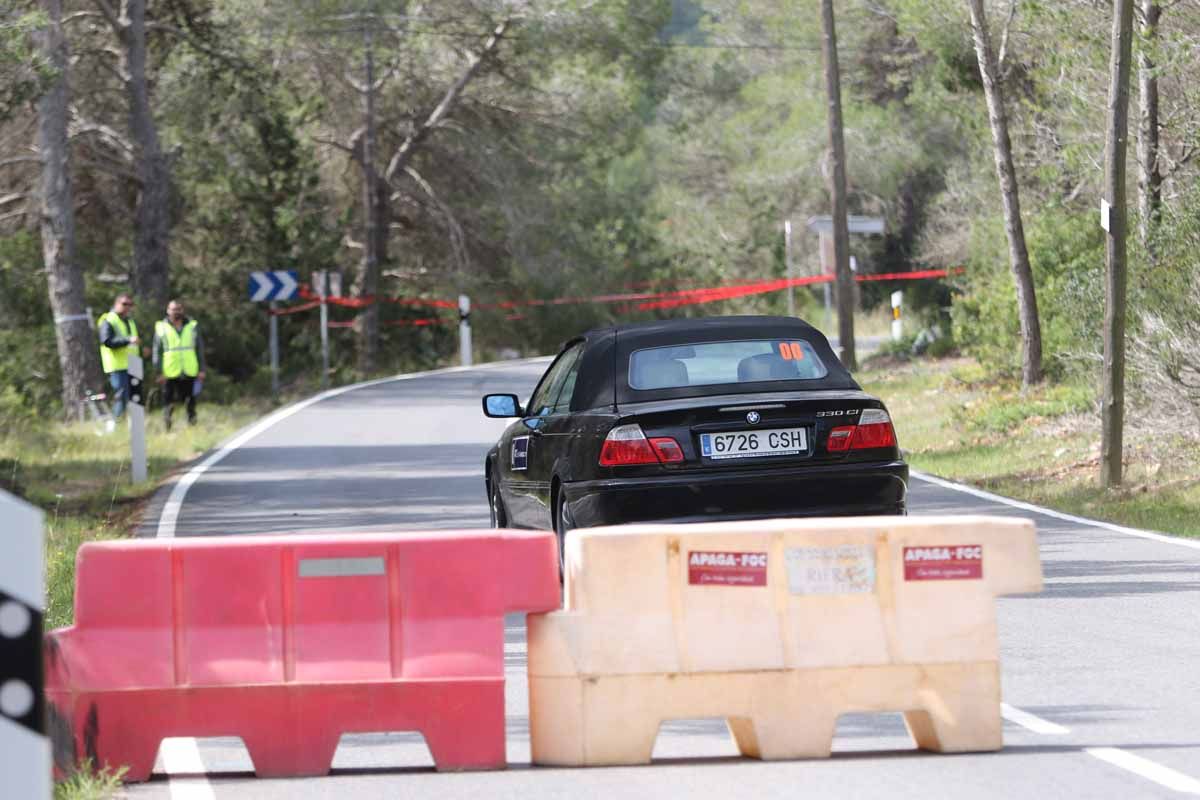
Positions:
{"x": 753, "y": 417}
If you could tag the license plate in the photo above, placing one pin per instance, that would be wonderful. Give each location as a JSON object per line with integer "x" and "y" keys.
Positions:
{"x": 754, "y": 444}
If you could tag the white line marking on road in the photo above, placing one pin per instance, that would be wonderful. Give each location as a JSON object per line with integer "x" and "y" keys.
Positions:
{"x": 186, "y": 751}
{"x": 181, "y": 756}
{"x": 1008, "y": 501}
{"x": 1163, "y": 776}
{"x": 1031, "y": 722}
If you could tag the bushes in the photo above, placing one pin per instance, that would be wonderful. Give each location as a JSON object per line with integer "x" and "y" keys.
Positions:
{"x": 1164, "y": 334}
{"x": 1066, "y": 251}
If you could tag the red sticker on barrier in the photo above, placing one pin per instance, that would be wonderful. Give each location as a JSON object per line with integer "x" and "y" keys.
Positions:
{"x": 943, "y": 563}
{"x": 727, "y": 569}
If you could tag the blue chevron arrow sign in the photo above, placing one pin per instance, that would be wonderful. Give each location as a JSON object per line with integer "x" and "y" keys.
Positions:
{"x": 274, "y": 285}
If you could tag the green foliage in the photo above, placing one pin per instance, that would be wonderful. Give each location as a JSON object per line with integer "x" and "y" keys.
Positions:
{"x": 23, "y": 71}
{"x": 88, "y": 783}
{"x": 30, "y": 382}
{"x": 1002, "y": 408}
{"x": 1065, "y": 250}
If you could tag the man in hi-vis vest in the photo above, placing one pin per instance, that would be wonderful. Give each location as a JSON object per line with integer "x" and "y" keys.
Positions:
{"x": 118, "y": 339}
{"x": 179, "y": 355}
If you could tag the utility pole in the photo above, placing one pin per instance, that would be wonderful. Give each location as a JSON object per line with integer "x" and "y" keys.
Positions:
{"x": 1114, "y": 218}
{"x": 787, "y": 259}
{"x": 837, "y": 189}
{"x": 369, "y": 335}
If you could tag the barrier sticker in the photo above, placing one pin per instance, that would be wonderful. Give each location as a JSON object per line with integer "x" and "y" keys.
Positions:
{"x": 943, "y": 563}
{"x": 727, "y": 569}
{"x": 841, "y": 569}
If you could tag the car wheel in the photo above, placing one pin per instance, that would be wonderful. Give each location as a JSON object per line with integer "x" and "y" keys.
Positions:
{"x": 563, "y": 524}
{"x": 496, "y": 506}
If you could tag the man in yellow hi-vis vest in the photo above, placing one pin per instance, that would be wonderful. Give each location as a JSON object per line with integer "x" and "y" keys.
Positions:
{"x": 118, "y": 338}
{"x": 179, "y": 355}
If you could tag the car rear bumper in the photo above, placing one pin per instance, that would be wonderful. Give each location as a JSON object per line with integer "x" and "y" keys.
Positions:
{"x": 827, "y": 491}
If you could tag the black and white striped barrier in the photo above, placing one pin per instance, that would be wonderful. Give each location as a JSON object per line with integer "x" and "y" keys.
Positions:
{"x": 24, "y": 746}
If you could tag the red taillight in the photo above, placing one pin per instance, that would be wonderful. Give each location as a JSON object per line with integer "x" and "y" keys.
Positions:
{"x": 667, "y": 449}
{"x": 839, "y": 438}
{"x": 874, "y": 430}
{"x": 627, "y": 446}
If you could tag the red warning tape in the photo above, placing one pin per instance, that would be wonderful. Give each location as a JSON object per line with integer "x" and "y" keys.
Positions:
{"x": 641, "y": 301}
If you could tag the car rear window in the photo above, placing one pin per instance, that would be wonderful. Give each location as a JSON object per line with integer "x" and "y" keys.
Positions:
{"x": 709, "y": 363}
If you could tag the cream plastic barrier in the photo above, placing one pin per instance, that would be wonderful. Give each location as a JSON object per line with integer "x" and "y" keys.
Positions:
{"x": 778, "y": 626}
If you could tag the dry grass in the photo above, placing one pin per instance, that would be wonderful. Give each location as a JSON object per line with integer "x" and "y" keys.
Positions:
{"x": 1042, "y": 446}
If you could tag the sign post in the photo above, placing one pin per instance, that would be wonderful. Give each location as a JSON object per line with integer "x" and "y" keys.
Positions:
{"x": 897, "y": 323}
{"x": 823, "y": 226}
{"x": 137, "y": 418}
{"x": 272, "y": 286}
{"x": 273, "y": 346}
{"x": 321, "y": 279}
{"x": 464, "y": 330}
{"x": 24, "y": 746}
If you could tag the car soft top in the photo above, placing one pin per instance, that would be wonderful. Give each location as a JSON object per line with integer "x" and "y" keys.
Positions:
{"x": 631, "y": 338}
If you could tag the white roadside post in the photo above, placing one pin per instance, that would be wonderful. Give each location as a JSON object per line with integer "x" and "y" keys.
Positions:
{"x": 137, "y": 419}
{"x": 464, "y": 330}
{"x": 897, "y": 323}
{"x": 24, "y": 746}
{"x": 321, "y": 279}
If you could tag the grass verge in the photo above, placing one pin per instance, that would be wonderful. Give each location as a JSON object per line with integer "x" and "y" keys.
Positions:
{"x": 80, "y": 478}
{"x": 87, "y": 783}
{"x": 1041, "y": 446}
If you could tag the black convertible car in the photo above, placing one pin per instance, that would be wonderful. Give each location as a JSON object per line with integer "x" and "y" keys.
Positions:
{"x": 693, "y": 420}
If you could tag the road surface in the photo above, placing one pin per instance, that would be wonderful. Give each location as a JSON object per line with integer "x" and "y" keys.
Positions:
{"x": 1100, "y": 680}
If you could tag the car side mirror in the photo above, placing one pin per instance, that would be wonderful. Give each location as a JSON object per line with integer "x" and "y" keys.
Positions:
{"x": 501, "y": 405}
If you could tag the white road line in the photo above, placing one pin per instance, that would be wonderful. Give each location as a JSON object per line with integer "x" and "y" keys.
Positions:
{"x": 1163, "y": 776}
{"x": 1008, "y": 501}
{"x": 182, "y": 755}
{"x": 1031, "y": 722}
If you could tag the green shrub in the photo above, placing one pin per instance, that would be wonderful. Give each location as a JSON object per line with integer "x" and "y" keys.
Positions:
{"x": 1066, "y": 251}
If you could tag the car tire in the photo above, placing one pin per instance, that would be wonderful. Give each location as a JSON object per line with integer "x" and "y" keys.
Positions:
{"x": 496, "y": 506}
{"x": 563, "y": 524}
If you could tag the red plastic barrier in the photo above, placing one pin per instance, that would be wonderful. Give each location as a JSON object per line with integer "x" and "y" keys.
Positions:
{"x": 289, "y": 642}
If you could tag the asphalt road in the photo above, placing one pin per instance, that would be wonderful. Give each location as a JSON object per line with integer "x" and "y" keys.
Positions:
{"x": 1099, "y": 670}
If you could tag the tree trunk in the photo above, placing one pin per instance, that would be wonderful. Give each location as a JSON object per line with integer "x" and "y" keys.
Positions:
{"x": 78, "y": 353}
{"x": 1149, "y": 175}
{"x": 1115, "y": 145}
{"x": 368, "y": 321}
{"x": 1031, "y": 331}
{"x": 152, "y": 218}
{"x": 837, "y": 189}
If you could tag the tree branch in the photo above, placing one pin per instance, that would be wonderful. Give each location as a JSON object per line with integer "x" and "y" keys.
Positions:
{"x": 116, "y": 141}
{"x": 111, "y": 167}
{"x": 24, "y": 212}
{"x": 1012, "y": 13}
{"x": 458, "y": 245}
{"x": 332, "y": 143}
{"x": 78, "y": 15}
{"x": 109, "y": 14}
{"x": 197, "y": 43}
{"x": 406, "y": 150}
{"x": 9, "y": 162}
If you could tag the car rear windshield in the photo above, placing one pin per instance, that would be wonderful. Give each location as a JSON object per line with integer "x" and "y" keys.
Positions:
{"x": 709, "y": 363}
